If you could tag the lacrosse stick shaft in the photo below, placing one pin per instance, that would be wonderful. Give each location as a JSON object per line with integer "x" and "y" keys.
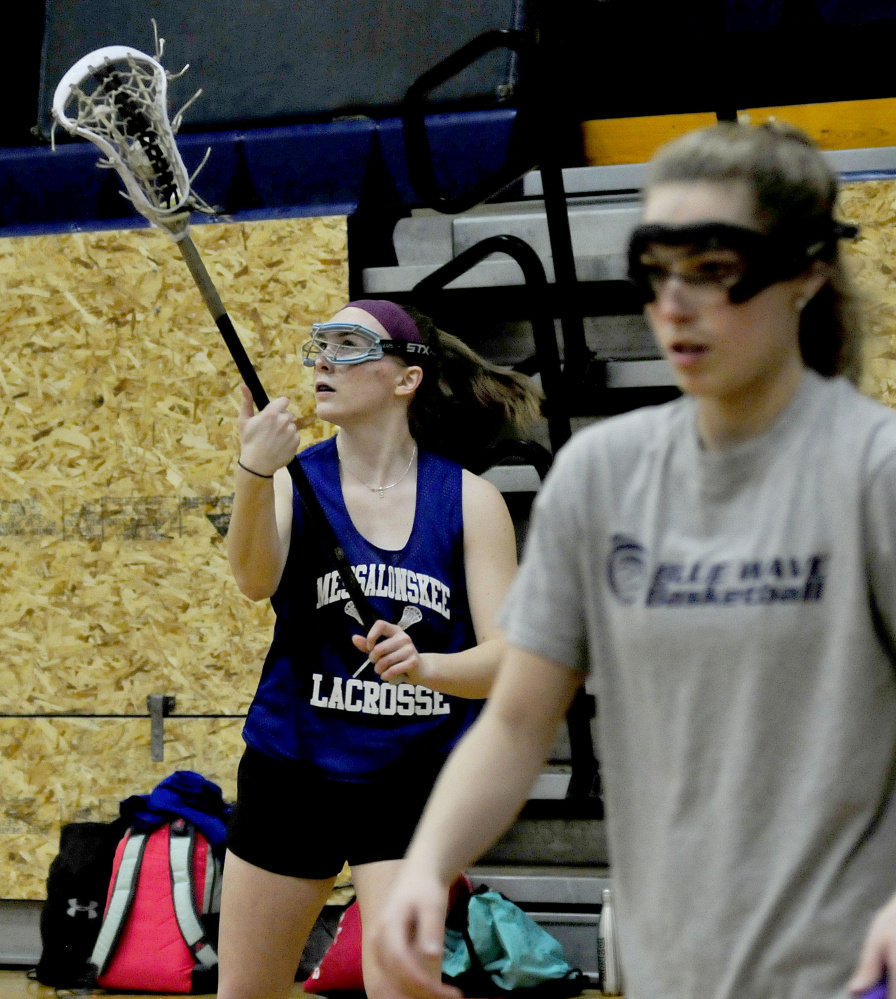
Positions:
{"x": 222, "y": 320}
{"x": 231, "y": 338}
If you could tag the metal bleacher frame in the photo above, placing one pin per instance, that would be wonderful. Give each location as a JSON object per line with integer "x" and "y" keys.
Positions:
{"x": 562, "y": 893}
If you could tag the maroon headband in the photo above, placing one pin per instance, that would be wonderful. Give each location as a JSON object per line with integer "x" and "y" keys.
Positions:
{"x": 394, "y": 320}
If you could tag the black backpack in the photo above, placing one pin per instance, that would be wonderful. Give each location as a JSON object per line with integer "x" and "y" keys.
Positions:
{"x": 72, "y": 915}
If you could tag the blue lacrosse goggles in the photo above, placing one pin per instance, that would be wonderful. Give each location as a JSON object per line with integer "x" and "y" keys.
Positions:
{"x": 351, "y": 343}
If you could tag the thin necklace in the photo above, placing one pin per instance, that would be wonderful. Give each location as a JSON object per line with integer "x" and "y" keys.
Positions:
{"x": 381, "y": 489}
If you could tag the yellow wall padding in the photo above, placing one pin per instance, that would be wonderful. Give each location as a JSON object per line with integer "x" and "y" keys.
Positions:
{"x": 839, "y": 124}
{"x": 836, "y": 125}
{"x": 611, "y": 141}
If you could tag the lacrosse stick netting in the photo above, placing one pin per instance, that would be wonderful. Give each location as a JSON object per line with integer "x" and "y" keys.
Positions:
{"x": 116, "y": 97}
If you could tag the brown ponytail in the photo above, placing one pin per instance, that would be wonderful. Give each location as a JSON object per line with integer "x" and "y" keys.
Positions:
{"x": 465, "y": 402}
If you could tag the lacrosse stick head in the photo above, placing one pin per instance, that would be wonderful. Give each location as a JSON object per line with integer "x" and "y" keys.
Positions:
{"x": 117, "y": 98}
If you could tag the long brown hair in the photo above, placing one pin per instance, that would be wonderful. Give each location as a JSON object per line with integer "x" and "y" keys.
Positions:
{"x": 464, "y": 401}
{"x": 793, "y": 186}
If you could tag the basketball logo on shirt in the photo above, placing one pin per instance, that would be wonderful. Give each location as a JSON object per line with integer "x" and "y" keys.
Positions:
{"x": 626, "y": 568}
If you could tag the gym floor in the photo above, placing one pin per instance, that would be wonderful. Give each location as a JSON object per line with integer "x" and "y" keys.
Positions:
{"x": 17, "y": 985}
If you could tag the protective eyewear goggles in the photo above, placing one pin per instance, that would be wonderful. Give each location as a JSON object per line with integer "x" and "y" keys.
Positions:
{"x": 726, "y": 260}
{"x": 350, "y": 343}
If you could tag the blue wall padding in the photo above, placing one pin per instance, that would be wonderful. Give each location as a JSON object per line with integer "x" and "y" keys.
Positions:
{"x": 309, "y": 166}
{"x": 466, "y": 147}
{"x": 765, "y": 15}
{"x": 38, "y": 186}
{"x": 307, "y": 169}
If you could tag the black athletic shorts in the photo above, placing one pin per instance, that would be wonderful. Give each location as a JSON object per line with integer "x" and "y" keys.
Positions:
{"x": 290, "y": 819}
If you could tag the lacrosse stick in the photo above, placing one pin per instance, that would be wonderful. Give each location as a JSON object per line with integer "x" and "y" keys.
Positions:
{"x": 410, "y": 615}
{"x": 116, "y": 97}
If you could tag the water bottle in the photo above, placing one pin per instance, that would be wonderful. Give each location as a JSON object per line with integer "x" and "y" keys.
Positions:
{"x": 608, "y": 964}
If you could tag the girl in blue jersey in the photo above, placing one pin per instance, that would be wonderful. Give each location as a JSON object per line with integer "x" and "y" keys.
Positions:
{"x": 348, "y": 728}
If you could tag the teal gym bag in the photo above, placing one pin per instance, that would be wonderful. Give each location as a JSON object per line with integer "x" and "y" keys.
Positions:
{"x": 492, "y": 948}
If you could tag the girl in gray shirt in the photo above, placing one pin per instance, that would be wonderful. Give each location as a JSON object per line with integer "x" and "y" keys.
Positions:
{"x": 725, "y": 569}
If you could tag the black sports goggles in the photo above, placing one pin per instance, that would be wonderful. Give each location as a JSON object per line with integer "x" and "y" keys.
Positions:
{"x": 768, "y": 257}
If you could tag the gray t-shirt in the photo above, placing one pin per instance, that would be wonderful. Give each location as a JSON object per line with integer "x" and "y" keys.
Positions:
{"x": 735, "y": 610}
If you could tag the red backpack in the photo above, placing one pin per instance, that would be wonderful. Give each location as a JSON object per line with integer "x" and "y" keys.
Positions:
{"x": 159, "y": 926}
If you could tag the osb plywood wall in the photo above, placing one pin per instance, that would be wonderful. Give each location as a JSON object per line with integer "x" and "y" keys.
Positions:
{"x": 872, "y": 204}
{"x": 117, "y": 446}
{"x": 72, "y": 769}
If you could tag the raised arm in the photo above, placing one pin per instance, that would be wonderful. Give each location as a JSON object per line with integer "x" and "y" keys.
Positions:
{"x": 479, "y": 793}
{"x": 261, "y": 519}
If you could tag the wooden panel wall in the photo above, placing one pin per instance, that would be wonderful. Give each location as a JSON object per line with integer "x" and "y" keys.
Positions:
{"x": 872, "y": 263}
{"x": 57, "y": 770}
{"x": 117, "y": 446}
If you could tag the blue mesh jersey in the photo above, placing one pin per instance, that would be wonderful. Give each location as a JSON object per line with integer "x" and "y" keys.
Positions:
{"x": 308, "y": 705}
